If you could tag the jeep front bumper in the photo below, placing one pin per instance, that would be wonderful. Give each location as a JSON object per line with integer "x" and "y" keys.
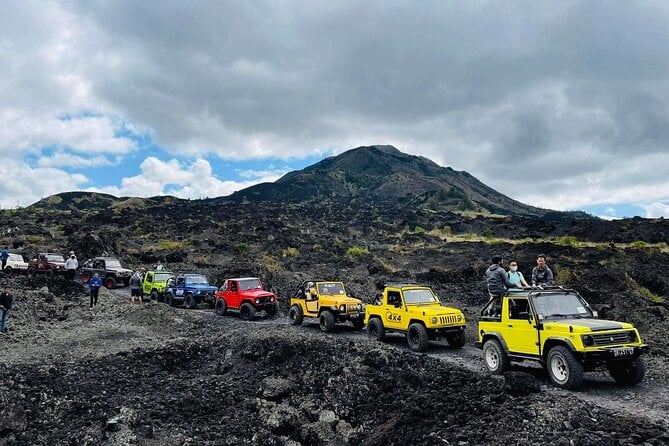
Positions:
{"x": 620, "y": 353}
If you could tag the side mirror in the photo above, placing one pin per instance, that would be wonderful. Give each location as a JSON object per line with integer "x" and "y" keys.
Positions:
{"x": 525, "y": 315}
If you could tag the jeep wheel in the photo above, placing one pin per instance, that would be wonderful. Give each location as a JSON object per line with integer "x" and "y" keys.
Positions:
{"x": 495, "y": 357}
{"x": 457, "y": 340}
{"x": 8, "y": 269}
{"x": 272, "y": 310}
{"x": 417, "y": 337}
{"x": 221, "y": 307}
{"x": 154, "y": 295}
{"x": 295, "y": 315}
{"x": 48, "y": 273}
{"x": 31, "y": 271}
{"x": 85, "y": 277}
{"x": 169, "y": 299}
{"x": 376, "y": 330}
{"x": 190, "y": 302}
{"x": 326, "y": 321}
{"x": 627, "y": 373}
{"x": 563, "y": 368}
{"x": 358, "y": 323}
{"x": 110, "y": 283}
{"x": 247, "y": 312}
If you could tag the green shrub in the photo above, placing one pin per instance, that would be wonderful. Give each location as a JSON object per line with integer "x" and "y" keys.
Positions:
{"x": 242, "y": 248}
{"x": 639, "y": 244}
{"x": 290, "y": 252}
{"x": 488, "y": 233}
{"x": 169, "y": 245}
{"x": 419, "y": 230}
{"x": 469, "y": 235}
{"x": 357, "y": 251}
{"x": 446, "y": 230}
{"x": 567, "y": 240}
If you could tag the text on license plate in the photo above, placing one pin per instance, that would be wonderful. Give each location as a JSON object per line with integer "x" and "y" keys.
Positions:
{"x": 623, "y": 351}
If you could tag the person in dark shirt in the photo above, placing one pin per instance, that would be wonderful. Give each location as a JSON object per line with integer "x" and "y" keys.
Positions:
{"x": 5, "y": 305}
{"x": 542, "y": 274}
{"x": 4, "y": 255}
{"x": 94, "y": 286}
{"x": 496, "y": 279}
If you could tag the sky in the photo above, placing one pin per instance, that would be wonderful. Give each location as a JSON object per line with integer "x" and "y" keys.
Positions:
{"x": 562, "y": 105}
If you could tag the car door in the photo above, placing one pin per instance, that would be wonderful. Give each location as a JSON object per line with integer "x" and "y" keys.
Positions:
{"x": 311, "y": 300}
{"x": 395, "y": 311}
{"x": 147, "y": 283}
{"x": 232, "y": 296}
{"x": 520, "y": 332}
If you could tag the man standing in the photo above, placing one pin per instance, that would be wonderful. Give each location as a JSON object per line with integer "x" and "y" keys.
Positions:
{"x": 94, "y": 286}
{"x": 496, "y": 279}
{"x": 71, "y": 266}
{"x": 4, "y": 255}
{"x": 136, "y": 287}
{"x": 542, "y": 274}
{"x": 5, "y": 305}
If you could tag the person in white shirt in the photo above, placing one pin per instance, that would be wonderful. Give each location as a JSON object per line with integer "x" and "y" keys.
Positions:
{"x": 71, "y": 266}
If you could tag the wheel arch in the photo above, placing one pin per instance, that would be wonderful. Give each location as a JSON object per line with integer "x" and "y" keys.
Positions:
{"x": 555, "y": 341}
{"x": 496, "y": 336}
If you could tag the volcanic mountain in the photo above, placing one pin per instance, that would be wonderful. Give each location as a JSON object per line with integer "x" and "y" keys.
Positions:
{"x": 385, "y": 174}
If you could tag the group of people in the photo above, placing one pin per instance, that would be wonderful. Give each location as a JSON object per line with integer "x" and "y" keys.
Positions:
{"x": 500, "y": 280}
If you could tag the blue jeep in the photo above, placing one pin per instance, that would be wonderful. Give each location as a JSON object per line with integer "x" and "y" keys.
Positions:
{"x": 190, "y": 290}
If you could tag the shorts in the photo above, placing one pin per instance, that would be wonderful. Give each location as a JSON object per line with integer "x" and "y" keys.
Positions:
{"x": 135, "y": 292}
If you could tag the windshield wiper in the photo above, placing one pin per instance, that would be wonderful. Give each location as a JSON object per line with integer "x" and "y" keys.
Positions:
{"x": 560, "y": 315}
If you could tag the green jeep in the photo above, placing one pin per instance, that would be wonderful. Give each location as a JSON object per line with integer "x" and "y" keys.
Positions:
{"x": 154, "y": 283}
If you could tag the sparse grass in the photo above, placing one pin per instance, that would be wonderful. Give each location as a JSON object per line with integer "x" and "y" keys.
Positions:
{"x": 567, "y": 240}
{"x": 645, "y": 292}
{"x": 564, "y": 276}
{"x": 387, "y": 267}
{"x": 639, "y": 244}
{"x": 269, "y": 262}
{"x": 290, "y": 252}
{"x": 172, "y": 245}
{"x": 419, "y": 230}
{"x": 242, "y": 248}
{"x": 357, "y": 251}
{"x": 35, "y": 239}
{"x": 470, "y": 236}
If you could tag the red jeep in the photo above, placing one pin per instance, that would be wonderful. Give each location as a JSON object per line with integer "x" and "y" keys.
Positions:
{"x": 247, "y": 295}
{"x": 48, "y": 264}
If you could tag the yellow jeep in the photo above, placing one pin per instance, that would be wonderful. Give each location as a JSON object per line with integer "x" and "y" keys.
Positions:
{"x": 417, "y": 312}
{"x": 327, "y": 301}
{"x": 557, "y": 328}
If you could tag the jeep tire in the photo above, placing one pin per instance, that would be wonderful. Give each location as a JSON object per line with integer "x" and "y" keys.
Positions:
{"x": 495, "y": 357}
{"x": 417, "y": 337}
{"x": 154, "y": 295}
{"x": 563, "y": 368}
{"x": 295, "y": 315}
{"x": 49, "y": 273}
{"x": 376, "y": 330}
{"x": 326, "y": 321}
{"x": 85, "y": 276}
{"x": 8, "y": 269}
{"x": 221, "y": 307}
{"x": 110, "y": 283}
{"x": 247, "y": 312}
{"x": 31, "y": 271}
{"x": 190, "y": 302}
{"x": 272, "y": 309}
{"x": 169, "y": 299}
{"x": 457, "y": 340}
{"x": 627, "y": 373}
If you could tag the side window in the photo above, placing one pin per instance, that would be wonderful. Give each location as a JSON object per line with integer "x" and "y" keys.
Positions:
{"x": 493, "y": 309}
{"x": 233, "y": 286}
{"x": 517, "y": 306}
{"x": 180, "y": 281}
{"x": 149, "y": 278}
{"x": 394, "y": 299}
{"x": 225, "y": 286}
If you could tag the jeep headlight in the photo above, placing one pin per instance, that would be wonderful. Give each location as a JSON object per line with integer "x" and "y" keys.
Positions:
{"x": 271, "y": 299}
{"x": 342, "y": 308}
{"x": 257, "y": 301}
{"x": 459, "y": 317}
{"x": 632, "y": 336}
{"x": 197, "y": 291}
{"x": 588, "y": 340}
{"x": 434, "y": 320}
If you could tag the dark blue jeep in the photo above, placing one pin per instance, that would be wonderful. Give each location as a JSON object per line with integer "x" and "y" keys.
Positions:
{"x": 190, "y": 290}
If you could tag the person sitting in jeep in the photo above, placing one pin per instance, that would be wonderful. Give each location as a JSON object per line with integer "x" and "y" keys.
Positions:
{"x": 496, "y": 279}
{"x": 542, "y": 274}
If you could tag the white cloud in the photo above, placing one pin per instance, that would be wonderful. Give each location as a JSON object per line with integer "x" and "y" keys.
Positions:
{"x": 655, "y": 210}
{"x": 66, "y": 159}
{"x": 184, "y": 180}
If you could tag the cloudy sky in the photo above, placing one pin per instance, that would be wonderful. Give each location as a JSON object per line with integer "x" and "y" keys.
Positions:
{"x": 562, "y": 105}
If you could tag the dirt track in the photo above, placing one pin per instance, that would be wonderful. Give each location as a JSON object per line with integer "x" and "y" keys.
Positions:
{"x": 156, "y": 375}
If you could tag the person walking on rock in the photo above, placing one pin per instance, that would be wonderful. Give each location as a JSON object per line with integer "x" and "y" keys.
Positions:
{"x": 136, "y": 287}
{"x": 542, "y": 274}
{"x": 71, "y": 266}
{"x": 6, "y": 300}
{"x": 4, "y": 255}
{"x": 94, "y": 286}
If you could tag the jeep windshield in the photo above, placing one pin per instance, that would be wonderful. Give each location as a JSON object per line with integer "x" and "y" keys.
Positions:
{"x": 15, "y": 258}
{"x": 162, "y": 277}
{"x": 197, "y": 279}
{"x": 54, "y": 258}
{"x": 560, "y": 306}
{"x": 331, "y": 288}
{"x": 417, "y": 297}
{"x": 250, "y": 284}
{"x": 112, "y": 263}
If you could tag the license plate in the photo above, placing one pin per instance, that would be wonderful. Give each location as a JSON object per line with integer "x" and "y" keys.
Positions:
{"x": 623, "y": 351}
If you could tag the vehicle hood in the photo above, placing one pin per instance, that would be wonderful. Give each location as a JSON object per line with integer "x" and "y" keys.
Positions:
{"x": 256, "y": 293}
{"x": 433, "y": 310}
{"x": 341, "y": 299}
{"x": 203, "y": 287}
{"x": 585, "y": 325}
{"x": 124, "y": 271}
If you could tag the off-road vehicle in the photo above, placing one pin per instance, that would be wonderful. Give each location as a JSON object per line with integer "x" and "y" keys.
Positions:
{"x": 247, "y": 295}
{"x": 48, "y": 264}
{"x": 155, "y": 282}
{"x": 326, "y": 301}
{"x": 557, "y": 328}
{"x": 415, "y": 311}
{"x": 190, "y": 290}
{"x": 16, "y": 263}
{"x": 109, "y": 269}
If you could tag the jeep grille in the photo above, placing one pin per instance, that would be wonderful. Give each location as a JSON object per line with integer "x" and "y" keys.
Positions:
{"x": 352, "y": 308}
{"x": 611, "y": 338}
{"x": 450, "y": 319}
